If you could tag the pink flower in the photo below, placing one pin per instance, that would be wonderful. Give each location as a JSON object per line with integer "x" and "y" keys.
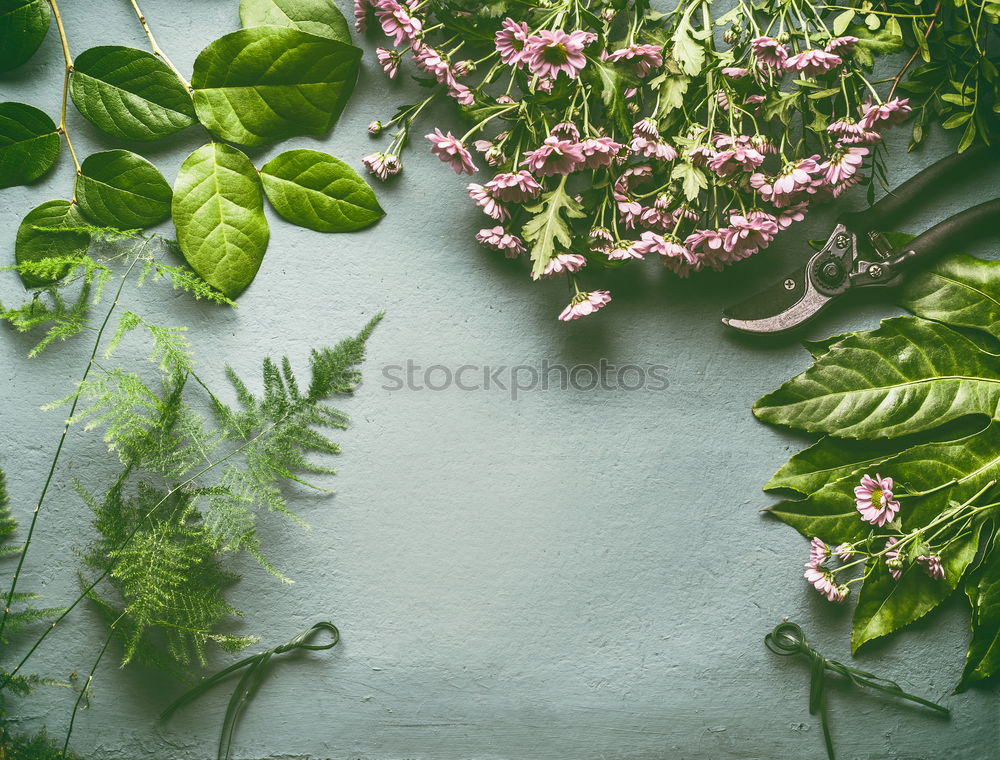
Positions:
{"x": 625, "y": 250}
{"x": 746, "y": 235}
{"x": 500, "y": 240}
{"x": 485, "y": 199}
{"x": 841, "y": 44}
{"x": 601, "y": 239}
{"x": 430, "y": 60}
{"x": 734, "y": 72}
{"x": 643, "y": 58}
{"x": 517, "y": 187}
{"x": 844, "y": 552}
{"x": 795, "y": 176}
{"x": 361, "y": 8}
{"x": 932, "y": 564}
{"x": 741, "y": 157}
{"x": 397, "y": 23}
{"x": 752, "y": 100}
{"x": 564, "y": 262}
{"x": 629, "y": 211}
{"x": 510, "y": 42}
{"x": 599, "y": 151}
{"x": 545, "y": 84}
{"x": 382, "y": 165}
{"x": 555, "y": 156}
{"x": 646, "y": 128}
{"x": 553, "y": 51}
{"x": 885, "y": 114}
{"x": 819, "y": 553}
{"x": 874, "y": 500}
{"x": 892, "y": 559}
{"x": 584, "y": 304}
{"x": 769, "y": 52}
{"x": 866, "y": 137}
{"x": 812, "y": 62}
{"x": 673, "y": 254}
{"x": 658, "y": 149}
{"x": 461, "y": 93}
{"x": 823, "y": 582}
{"x": 787, "y": 216}
{"x": 842, "y": 164}
{"x": 566, "y": 130}
{"x": 845, "y": 127}
{"x": 389, "y": 60}
{"x": 450, "y": 150}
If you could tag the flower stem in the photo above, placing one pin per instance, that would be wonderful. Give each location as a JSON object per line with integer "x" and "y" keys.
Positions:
{"x": 86, "y": 687}
{"x": 65, "y": 94}
{"x": 157, "y": 50}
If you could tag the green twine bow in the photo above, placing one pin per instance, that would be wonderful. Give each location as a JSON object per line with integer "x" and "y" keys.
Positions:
{"x": 250, "y": 682}
{"x": 788, "y": 639}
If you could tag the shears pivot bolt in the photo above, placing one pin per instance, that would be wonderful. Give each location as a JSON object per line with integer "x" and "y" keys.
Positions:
{"x": 875, "y": 271}
{"x": 789, "y": 284}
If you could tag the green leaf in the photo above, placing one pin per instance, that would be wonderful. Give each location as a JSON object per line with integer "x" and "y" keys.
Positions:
{"x": 129, "y": 93}
{"x": 831, "y": 513}
{"x": 315, "y": 190}
{"x": 218, "y": 209}
{"x": 120, "y": 189}
{"x": 269, "y": 83}
{"x": 39, "y": 238}
{"x": 886, "y": 604}
{"x": 907, "y": 376}
{"x": 842, "y": 21}
{"x": 548, "y": 226}
{"x": 960, "y": 290}
{"x": 828, "y": 460}
{"x": 983, "y": 590}
{"x": 23, "y": 25}
{"x": 671, "y": 93}
{"x": 29, "y": 144}
{"x": 693, "y": 179}
{"x": 319, "y": 17}
{"x": 688, "y": 49}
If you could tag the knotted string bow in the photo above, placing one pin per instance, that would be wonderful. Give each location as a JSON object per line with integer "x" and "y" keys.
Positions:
{"x": 256, "y": 666}
{"x": 788, "y": 639}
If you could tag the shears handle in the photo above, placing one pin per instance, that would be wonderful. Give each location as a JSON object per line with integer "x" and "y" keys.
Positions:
{"x": 920, "y": 188}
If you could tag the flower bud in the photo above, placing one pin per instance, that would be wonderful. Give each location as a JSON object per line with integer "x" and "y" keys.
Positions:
{"x": 464, "y": 68}
{"x": 608, "y": 14}
{"x": 375, "y": 127}
{"x": 731, "y": 36}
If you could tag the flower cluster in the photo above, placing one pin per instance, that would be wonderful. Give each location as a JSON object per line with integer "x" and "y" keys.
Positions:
{"x": 609, "y": 146}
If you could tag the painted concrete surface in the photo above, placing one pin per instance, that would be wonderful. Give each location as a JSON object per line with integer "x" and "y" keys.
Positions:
{"x": 571, "y": 574}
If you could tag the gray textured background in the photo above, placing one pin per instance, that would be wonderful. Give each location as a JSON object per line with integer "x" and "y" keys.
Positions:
{"x": 570, "y": 575}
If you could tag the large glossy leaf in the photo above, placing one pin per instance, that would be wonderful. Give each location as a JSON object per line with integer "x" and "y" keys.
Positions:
{"x": 268, "y": 83}
{"x": 29, "y": 144}
{"x": 218, "y": 209}
{"x": 23, "y": 24}
{"x": 907, "y": 376}
{"x": 831, "y": 514}
{"x": 319, "y": 17}
{"x": 130, "y": 94}
{"x": 983, "y": 590}
{"x": 886, "y": 604}
{"x": 828, "y": 460}
{"x": 39, "y": 237}
{"x": 118, "y": 188}
{"x": 960, "y": 290}
{"x": 320, "y": 192}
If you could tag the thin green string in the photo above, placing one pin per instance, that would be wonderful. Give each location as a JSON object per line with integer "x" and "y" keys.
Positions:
{"x": 250, "y": 682}
{"x": 787, "y": 639}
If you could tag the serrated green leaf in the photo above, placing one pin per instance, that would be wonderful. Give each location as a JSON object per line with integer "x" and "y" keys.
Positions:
{"x": 319, "y": 17}
{"x": 960, "y": 290}
{"x": 671, "y": 93}
{"x": 548, "y": 226}
{"x": 886, "y": 604}
{"x": 39, "y": 238}
{"x": 269, "y": 83}
{"x": 907, "y": 376}
{"x": 23, "y": 25}
{"x": 688, "y": 49}
{"x": 315, "y": 190}
{"x": 693, "y": 180}
{"x": 118, "y": 188}
{"x": 129, "y": 93}
{"x": 29, "y": 144}
{"x": 218, "y": 209}
{"x": 983, "y": 590}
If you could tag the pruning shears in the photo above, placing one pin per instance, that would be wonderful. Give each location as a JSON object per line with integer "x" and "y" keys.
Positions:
{"x": 858, "y": 257}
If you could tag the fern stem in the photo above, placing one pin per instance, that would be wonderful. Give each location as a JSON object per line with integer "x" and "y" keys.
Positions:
{"x": 58, "y": 454}
{"x": 86, "y": 687}
{"x": 65, "y": 93}
{"x": 157, "y": 51}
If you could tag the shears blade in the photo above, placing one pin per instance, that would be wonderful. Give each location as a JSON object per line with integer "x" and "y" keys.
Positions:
{"x": 786, "y": 304}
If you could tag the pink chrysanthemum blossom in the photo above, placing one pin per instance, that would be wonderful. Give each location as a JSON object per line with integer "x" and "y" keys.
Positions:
{"x": 819, "y": 552}
{"x": 449, "y": 149}
{"x": 747, "y": 234}
{"x": 646, "y": 128}
{"x": 659, "y": 214}
{"x": 629, "y": 212}
{"x": 671, "y": 251}
{"x": 599, "y": 151}
{"x": 566, "y": 130}
{"x": 735, "y": 72}
{"x": 769, "y": 52}
{"x": 752, "y": 100}
{"x": 485, "y": 199}
{"x": 842, "y": 164}
{"x": 516, "y": 187}
{"x": 844, "y": 552}
{"x": 584, "y": 304}
{"x": 795, "y": 176}
{"x": 382, "y": 165}
{"x": 701, "y": 155}
{"x": 375, "y": 127}
{"x": 564, "y": 262}
{"x": 624, "y": 250}
{"x": 762, "y": 144}
{"x": 462, "y": 94}
{"x": 545, "y": 84}
{"x": 886, "y": 114}
{"x": 500, "y": 240}
{"x": 824, "y": 583}
{"x": 510, "y": 41}
{"x": 397, "y": 21}
{"x": 553, "y": 51}
{"x": 813, "y": 62}
{"x": 892, "y": 559}
{"x": 868, "y": 137}
{"x": 788, "y": 216}
{"x": 875, "y": 501}
{"x": 389, "y": 60}
{"x": 837, "y": 190}
{"x": 361, "y": 8}
{"x": 643, "y": 58}
{"x": 741, "y": 157}
{"x": 601, "y": 239}
{"x": 845, "y": 127}
{"x": 723, "y": 100}
{"x": 658, "y": 149}
{"x": 932, "y": 565}
{"x": 555, "y": 156}
{"x": 841, "y": 45}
